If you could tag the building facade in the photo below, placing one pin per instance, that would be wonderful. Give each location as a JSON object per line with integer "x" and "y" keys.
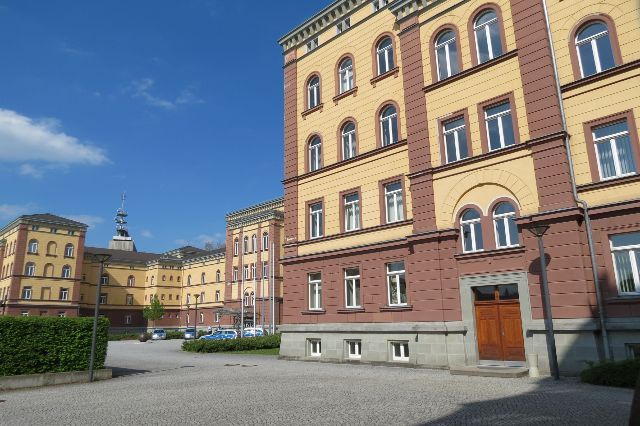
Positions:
{"x": 423, "y": 139}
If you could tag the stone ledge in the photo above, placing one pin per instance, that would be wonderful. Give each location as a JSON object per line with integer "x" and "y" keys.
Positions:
{"x": 502, "y": 372}
{"x": 50, "y": 379}
{"x": 408, "y": 327}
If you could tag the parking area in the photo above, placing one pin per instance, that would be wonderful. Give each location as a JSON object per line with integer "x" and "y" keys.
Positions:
{"x": 159, "y": 384}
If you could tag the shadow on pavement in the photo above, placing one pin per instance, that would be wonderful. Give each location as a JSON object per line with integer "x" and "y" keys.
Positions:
{"x": 121, "y": 372}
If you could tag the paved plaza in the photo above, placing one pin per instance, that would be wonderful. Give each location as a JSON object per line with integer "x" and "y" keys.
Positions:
{"x": 157, "y": 384}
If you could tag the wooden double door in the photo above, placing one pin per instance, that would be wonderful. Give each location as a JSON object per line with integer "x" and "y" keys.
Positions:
{"x": 498, "y": 323}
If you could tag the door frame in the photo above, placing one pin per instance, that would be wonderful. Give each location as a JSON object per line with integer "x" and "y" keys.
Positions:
{"x": 468, "y": 311}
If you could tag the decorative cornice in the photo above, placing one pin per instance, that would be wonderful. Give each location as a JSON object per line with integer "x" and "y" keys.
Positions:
{"x": 268, "y": 210}
{"x": 405, "y": 8}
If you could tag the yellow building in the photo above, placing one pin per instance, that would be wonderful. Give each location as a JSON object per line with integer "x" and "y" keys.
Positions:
{"x": 422, "y": 141}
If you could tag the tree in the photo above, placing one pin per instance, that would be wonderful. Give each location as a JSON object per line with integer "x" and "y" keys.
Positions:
{"x": 154, "y": 311}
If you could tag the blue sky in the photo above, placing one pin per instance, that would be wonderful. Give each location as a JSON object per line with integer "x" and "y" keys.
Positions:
{"x": 178, "y": 103}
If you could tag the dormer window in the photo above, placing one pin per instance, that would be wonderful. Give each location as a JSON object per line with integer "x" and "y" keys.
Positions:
{"x": 343, "y": 25}
{"x": 312, "y": 44}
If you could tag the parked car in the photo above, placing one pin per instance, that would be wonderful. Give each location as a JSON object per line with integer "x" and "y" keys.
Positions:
{"x": 158, "y": 334}
{"x": 253, "y": 332}
{"x": 190, "y": 333}
{"x": 221, "y": 335}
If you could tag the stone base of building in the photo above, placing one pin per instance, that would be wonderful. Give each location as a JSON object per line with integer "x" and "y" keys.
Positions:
{"x": 444, "y": 345}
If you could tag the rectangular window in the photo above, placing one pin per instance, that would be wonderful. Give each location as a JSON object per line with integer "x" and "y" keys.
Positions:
{"x": 217, "y": 295}
{"x": 24, "y": 313}
{"x": 394, "y": 202}
{"x": 352, "y": 287}
{"x": 614, "y": 151}
{"x": 625, "y": 249}
{"x": 235, "y": 274}
{"x": 103, "y": 299}
{"x": 245, "y": 271}
{"x": 343, "y": 25}
{"x": 162, "y": 297}
{"x": 129, "y": 299}
{"x": 265, "y": 269}
{"x": 315, "y": 220}
{"x": 253, "y": 270}
{"x": 400, "y": 351}
{"x": 499, "y": 126}
{"x": 35, "y": 227}
{"x": 455, "y": 140}
{"x": 396, "y": 284}
{"x": 202, "y": 297}
{"x": 62, "y": 314}
{"x": 315, "y": 347}
{"x": 26, "y": 293}
{"x": 64, "y": 294}
{"x": 188, "y": 298}
{"x": 315, "y": 291}
{"x": 379, "y": 4}
{"x": 54, "y": 230}
{"x": 312, "y": 44}
{"x": 354, "y": 348}
{"x": 351, "y": 212}
{"x": 218, "y": 316}
{"x": 127, "y": 319}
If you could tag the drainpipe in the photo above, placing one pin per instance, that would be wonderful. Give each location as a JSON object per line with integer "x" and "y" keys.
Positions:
{"x": 578, "y": 200}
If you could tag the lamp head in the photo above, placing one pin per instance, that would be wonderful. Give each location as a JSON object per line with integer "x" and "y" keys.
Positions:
{"x": 539, "y": 230}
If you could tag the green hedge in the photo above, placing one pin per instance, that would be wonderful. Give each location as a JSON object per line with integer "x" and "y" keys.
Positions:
{"x": 622, "y": 374}
{"x": 33, "y": 345}
{"x": 232, "y": 345}
{"x": 124, "y": 336}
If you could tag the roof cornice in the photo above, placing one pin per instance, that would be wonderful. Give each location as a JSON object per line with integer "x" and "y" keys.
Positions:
{"x": 404, "y": 8}
{"x": 278, "y": 203}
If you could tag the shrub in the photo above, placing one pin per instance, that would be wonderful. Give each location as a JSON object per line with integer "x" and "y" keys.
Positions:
{"x": 232, "y": 345}
{"x": 620, "y": 373}
{"x": 175, "y": 334}
{"x": 34, "y": 345}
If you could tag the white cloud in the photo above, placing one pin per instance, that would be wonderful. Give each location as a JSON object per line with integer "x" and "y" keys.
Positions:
{"x": 146, "y": 233}
{"x": 90, "y": 220}
{"x": 73, "y": 51}
{"x": 11, "y": 211}
{"x": 25, "y": 140}
{"x": 141, "y": 89}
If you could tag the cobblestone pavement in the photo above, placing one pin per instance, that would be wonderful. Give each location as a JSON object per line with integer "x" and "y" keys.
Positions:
{"x": 157, "y": 384}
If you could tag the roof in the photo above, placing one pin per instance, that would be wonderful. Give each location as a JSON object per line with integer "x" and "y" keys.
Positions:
{"x": 123, "y": 255}
{"x": 46, "y": 218}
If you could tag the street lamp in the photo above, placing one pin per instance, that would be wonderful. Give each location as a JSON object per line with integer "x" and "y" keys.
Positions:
{"x": 539, "y": 231}
{"x": 195, "y": 320}
{"x": 101, "y": 258}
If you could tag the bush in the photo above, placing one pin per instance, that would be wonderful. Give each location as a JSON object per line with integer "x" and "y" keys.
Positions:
{"x": 34, "y": 345}
{"x": 232, "y": 345}
{"x": 123, "y": 336}
{"x": 622, "y": 374}
{"x": 175, "y": 334}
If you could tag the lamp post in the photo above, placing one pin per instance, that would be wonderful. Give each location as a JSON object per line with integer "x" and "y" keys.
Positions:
{"x": 195, "y": 320}
{"x": 539, "y": 231}
{"x": 102, "y": 258}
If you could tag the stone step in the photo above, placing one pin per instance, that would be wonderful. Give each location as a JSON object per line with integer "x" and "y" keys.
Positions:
{"x": 489, "y": 371}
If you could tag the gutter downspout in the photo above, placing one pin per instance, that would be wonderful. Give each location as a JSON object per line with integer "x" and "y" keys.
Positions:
{"x": 578, "y": 200}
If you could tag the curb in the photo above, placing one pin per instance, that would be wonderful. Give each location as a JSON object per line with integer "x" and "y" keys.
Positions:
{"x": 50, "y": 379}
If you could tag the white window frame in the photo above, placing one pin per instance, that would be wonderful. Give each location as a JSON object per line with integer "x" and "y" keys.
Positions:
{"x": 127, "y": 319}
{"x": 379, "y": 4}
{"x": 315, "y": 154}
{"x": 592, "y": 40}
{"x": 68, "y": 250}
{"x": 397, "y": 198}
{"x": 236, "y": 247}
{"x": 388, "y": 121}
{"x": 387, "y": 51}
{"x": 312, "y": 44}
{"x": 104, "y": 298}
{"x": 315, "y": 347}
{"x": 504, "y": 217}
{"x": 313, "y": 93}
{"x": 351, "y": 209}
{"x": 613, "y": 143}
{"x": 315, "y": 288}
{"x": 353, "y": 282}
{"x": 445, "y": 45}
{"x": 343, "y": 25}
{"x": 245, "y": 245}
{"x": 499, "y": 117}
{"x": 30, "y": 270}
{"x": 66, "y": 271}
{"x": 64, "y": 294}
{"x": 265, "y": 269}
{"x": 316, "y": 217}
{"x": 131, "y": 281}
{"x": 129, "y": 299}
{"x": 345, "y": 75}
{"x": 245, "y": 271}
{"x": 397, "y": 274}
{"x": 354, "y": 349}
{"x": 265, "y": 241}
{"x": 201, "y": 317}
{"x": 253, "y": 270}
{"x": 27, "y": 293}
{"x": 472, "y": 224}
{"x": 218, "y": 317}
{"x": 217, "y": 295}
{"x": 456, "y": 137}
{"x": 404, "y": 351}
{"x": 485, "y": 27}
{"x": 349, "y": 148}
{"x": 33, "y": 247}
{"x": 635, "y": 268}
{"x": 254, "y": 243}
{"x": 234, "y": 274}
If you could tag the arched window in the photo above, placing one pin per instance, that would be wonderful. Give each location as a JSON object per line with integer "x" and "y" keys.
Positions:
{"x": 235, "y": 247}
{"x": 164, "y": 278}
{"x": 66, "y": 271}
{"x": 384, "y": 52}
{"x": 30, "y": 269}
{"x": 471, "y": 231}
{"x": 170, "y": 278}
{"x": 48, "y": 270}
{"x": 52, "y": 248}
{"x": 68, "y": 250}
{"x": 249, "y": 298}
{"x": 345, "y": 75}
{"x": 595, "y": 53}
{"x": 33, "y": 246}
{"x": 131, "y": 281}
{"x": 265, "y": 241}
{"x": 178, "y": 279}
{"x": 447, "y": 55}
{"x": 245, "y": 244}
{"x": 203, "y": 278}
{"x": 189, "y": 280}
{"x": 315, "y": 154}
{"x": 254, "y": 243}
{"x": 389, "y": 125}
{"x": 348, "y": 140}
{"x": 488, "y": 42}
{"x": 505, "y": 226}
{"x": 313, "y": 92}
{"x": 218, "y": 275}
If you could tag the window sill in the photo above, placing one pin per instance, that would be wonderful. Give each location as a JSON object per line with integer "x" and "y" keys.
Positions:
{"x": 392, "y": 72}
{"x": 609, "y": 182}
{"x": 312, "y": 110}
{"x": 624, "y": 298}
{"x": 350, "y": 310}
{"x": 346, "y": 94}
{"x": 399, "y": 308}
{"x": 51, "y": 255}
{"x": 600, "y": 76}
{"x": 490, "y": 253}
{"x": 314, "y": 312}
{"x": 356, "y": 232}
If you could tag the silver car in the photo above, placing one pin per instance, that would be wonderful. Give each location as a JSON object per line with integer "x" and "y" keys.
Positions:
{"x": 190, "y": 333}
{"x": 158, "y": 334}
